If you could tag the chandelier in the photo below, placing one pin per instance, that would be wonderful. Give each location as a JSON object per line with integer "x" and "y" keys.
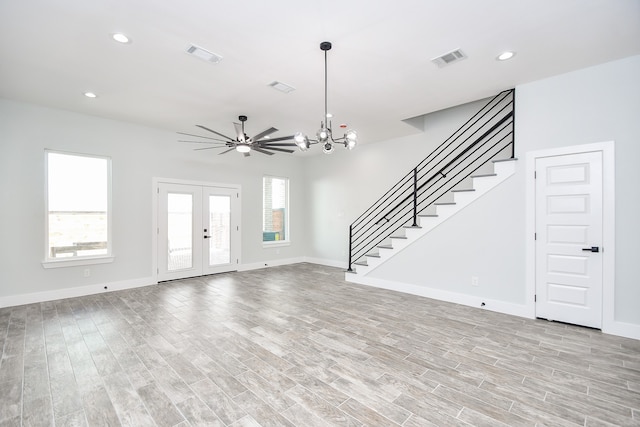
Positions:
{"x": 324, "y": 135}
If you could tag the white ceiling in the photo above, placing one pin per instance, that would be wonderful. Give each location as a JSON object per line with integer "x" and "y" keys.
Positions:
{"x": 380, "y": 69}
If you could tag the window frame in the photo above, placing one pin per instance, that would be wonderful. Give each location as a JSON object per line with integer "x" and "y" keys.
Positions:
{"x": 49, "y": 262}
{"x": 287, "y": 227}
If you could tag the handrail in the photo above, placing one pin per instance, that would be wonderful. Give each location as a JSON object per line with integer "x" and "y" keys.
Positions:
{"x": 455, "y": 159}
{"x": 487, "y": 133}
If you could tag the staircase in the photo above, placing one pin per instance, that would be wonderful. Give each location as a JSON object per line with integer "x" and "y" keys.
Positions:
{"x": 472, "y": 161}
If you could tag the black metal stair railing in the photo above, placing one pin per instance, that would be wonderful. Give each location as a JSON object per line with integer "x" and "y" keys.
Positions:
{"x": 489, "y": 133}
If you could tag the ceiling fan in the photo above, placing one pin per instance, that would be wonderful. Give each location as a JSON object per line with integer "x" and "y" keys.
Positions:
{"x": 244, "y": 143}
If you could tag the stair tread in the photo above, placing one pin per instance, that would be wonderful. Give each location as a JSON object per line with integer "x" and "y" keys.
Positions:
{"x": 373, "y": 255}
{"x": 464, "y": 190}
{"x": 483, "y": 175}
{"x": 444, "y": 203}
{"x": 384, "y": 247}
{"x": 412, "y": 226}
{"x": 362, "y": 263}
{"x": 505, "y": 160}
{"x": 428, "y": 215}
{"x": 398, "y": 237}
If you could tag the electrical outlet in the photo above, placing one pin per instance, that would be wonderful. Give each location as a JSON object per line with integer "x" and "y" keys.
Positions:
{"x": 87, "y": 272}
{"x": 474, "y": 280}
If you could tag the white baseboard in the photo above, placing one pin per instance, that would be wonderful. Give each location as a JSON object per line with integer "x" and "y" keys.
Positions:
{"x": 520, "y": 310}
{"x": 622, "y": 329}
{"x": 271, "y": 263}
{"x": 327, "y": 262}
{"x": 288, "y": 261}
{"x": 79, "y": 291}
{"x": 37, "y": 297}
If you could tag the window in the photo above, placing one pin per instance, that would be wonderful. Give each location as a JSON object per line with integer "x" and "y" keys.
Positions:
{"x": 77, "y": 207}
{"x": 275, "y": 210}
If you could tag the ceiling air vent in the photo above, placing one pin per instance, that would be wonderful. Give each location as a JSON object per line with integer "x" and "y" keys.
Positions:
{"x": 449, "y": 58}
{"x": 203, "y": 54}
{"x": 282, "y": 87}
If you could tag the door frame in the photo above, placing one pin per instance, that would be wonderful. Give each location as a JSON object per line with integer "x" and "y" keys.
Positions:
{"x": 156, "y": 181}
{"x": 608, "y": 225}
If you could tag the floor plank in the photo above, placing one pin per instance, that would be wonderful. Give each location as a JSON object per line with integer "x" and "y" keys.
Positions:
{"x": 298, "y": 346}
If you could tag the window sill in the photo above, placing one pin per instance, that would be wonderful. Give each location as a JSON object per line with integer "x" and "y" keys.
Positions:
{"x": 276, "y": 243}
{"x": 78, "y": 261}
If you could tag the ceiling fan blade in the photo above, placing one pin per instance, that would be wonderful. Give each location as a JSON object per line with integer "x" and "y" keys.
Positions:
{"x": 265, "y": 133}
{"x": 280, "y": 138}
{"x": 200, "y": 136}
{"x": 239, "y": 132}
{"x": 222, "y": 144}
{"x": 266, "y": 143}
{"x": 208, "y": 148}
{"x": 217, "y": 133}
{"x": 226, "y": 151}
{"x": 284, "y": 150}
{"x": 260, "y": 150}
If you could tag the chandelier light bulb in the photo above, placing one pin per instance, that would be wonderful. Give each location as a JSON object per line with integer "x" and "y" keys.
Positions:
{"x": 301, "y": 141}
{"x": 323, "y": 134}
{"x": 350, "y": 139}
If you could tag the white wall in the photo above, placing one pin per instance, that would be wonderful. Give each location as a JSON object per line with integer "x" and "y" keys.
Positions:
{"x": 342, "y": 185}
{"x": 596, "y": 104}
{"x": 487, "y": 240}
{"x": 138, "y": 154}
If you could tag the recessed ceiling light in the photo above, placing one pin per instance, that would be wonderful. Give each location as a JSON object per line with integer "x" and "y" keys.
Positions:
{"x": 120, "y": 38}
{"x": 505, "y": 55}
{"x": 90, "y": 95}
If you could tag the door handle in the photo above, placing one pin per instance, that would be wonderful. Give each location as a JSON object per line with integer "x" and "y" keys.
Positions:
{"x": 208, "y": 237}
{"x": 591, "y": 249}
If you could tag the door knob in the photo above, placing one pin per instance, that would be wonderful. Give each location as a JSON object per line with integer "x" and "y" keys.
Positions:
{"x": 207, "y": 237}
{"x": 591, "y": 249}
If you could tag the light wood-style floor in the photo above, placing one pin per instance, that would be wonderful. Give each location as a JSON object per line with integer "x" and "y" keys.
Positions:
{"x": 298, "y": 346}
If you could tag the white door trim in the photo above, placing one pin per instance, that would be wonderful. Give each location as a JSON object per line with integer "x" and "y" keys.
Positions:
{"x": 608, "y": 227}
{"x": 155, "y": 181}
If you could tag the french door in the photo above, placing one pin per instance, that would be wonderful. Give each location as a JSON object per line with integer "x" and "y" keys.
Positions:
{"x": 198, "y": 230}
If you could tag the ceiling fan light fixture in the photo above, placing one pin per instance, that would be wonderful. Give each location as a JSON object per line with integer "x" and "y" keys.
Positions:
{"x": 243, "y": 148}
{"x": 327, "y": 148}
{"x": 243, "y": 143}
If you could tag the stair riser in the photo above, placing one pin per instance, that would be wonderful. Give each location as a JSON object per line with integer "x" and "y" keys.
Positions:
{"x": 481, "y": 185}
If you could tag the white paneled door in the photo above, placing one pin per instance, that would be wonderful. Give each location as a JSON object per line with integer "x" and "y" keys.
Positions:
{"x": 198, "y": 230}
{"x": 569, "y": 203}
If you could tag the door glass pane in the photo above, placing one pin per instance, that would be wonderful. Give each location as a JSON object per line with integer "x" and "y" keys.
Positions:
{"x": 179, "y": 231}
{"x": 219, "y": 230}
